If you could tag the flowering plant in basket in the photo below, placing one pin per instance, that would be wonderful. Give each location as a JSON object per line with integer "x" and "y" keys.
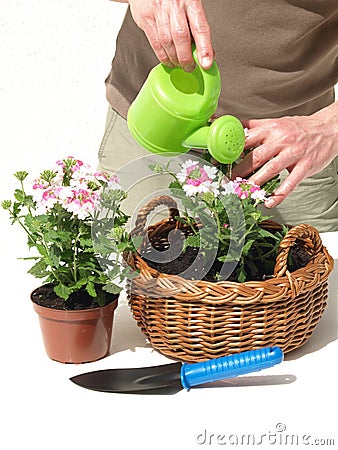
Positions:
{"x": 228, "y": 231}
{"x": 58, "y": 213}
{"x": 244, "y": 291}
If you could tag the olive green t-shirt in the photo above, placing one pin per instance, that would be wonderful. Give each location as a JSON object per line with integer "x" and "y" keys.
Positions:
{"x": 276, "y": 57}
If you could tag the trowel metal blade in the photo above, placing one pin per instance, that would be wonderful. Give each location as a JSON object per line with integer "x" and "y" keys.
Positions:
{"x": 163, "y": 379}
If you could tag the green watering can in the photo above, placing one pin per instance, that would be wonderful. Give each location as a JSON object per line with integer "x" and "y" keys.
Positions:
{"x": 172, "y": 111}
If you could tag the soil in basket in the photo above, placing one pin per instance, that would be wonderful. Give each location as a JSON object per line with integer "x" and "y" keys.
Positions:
{"x": 181, "y": 264}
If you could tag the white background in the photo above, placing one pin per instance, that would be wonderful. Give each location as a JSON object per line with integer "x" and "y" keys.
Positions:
{"x": 55, "y": 56}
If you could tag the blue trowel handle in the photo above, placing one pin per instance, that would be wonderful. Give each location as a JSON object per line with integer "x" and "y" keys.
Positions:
{"x": 229, "y": 366}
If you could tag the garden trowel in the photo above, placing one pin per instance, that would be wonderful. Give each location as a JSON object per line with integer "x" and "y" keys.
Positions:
{"x": 171, "y": 378}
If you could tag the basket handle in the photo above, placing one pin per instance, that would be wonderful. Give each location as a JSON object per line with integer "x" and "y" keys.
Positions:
{"x": 142, "y": 215}
{"x": 304, "y": 232}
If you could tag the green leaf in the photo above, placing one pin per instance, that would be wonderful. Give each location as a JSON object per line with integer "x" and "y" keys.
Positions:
{"x": 78, "y": 285}
{"x": 128, "y": 272}
{"x": 157, "y": 168}
{"x": 86, "y": 242}
{"x": 90, "y": 288}
{"x": 176, "y": 187}
{"x": 192, "y": 241}
{"x": 112, "y": 288}
{"x": 62, "y": 291}
{"x": 48, "y": 175}
{"x": 39, "y": 270}
{"x": 266, "y": 234}
{"x": 6, "y": 204}
{"x": 37, "y": 224}
{"x": 21, "y": 175}
{"x": 241, "y": 277}
{"x": 19, "y": 195}
{"x": 247, "y": 246}
{"x": 136, "y": 241}
{"x": 54, "y": 258}
{"x": 41, "y": 249}
{"x": 271, "y": 185}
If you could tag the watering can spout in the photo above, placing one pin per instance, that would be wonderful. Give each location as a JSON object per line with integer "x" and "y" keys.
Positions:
{"x": 224, "y": 139}
{"x": 171, "y": 114}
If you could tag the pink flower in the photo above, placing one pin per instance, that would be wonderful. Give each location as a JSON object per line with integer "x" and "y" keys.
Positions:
{"x": 196, "y": 179}
{"x": 259, "y": 195}
{"x": 60, "y": 163}
{"x": 240, "y": 190}
{"x": 254, "y": 188}
{"x": 75, "y": 187}
{"x": 244, "y": 189}
{"x": 39, "y": 184}
{"x": 101, "y": 176}
{"x": 81, "y": 203}
{"x": 46, "y": 198}
{"x": 77, "y": 165}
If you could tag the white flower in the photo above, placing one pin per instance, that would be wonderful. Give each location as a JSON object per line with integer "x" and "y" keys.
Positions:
{"x": 227, "y": 186}
{"x": 259, "y": 195}
{"x": 211, "y": 171}
{"x": 198, "y": 180}
{"x": 186, "y": 168}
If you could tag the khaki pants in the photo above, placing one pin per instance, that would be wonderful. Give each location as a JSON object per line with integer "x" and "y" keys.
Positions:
{"x": 315, "y": 200}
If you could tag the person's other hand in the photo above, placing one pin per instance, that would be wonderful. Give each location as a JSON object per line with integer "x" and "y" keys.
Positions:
{"x": 170, "y": 26}
{"x": 304, "y": 145}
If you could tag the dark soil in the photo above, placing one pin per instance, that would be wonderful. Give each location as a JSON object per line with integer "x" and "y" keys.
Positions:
{"x": 298, "y": 257}
{"x": 45, "y": 296}
{"x": 182, "y": 264}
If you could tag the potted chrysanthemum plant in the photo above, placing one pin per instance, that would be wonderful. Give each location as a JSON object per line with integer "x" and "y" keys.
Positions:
{"x": 75, "y": 227}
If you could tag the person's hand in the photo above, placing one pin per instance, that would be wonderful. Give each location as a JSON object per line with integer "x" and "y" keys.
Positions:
{"x": 170, "y": 26}
{"x": 304, "y": 145}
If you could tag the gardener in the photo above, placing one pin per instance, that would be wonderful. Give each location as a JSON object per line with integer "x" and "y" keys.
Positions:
{"x": 278, "y": 65}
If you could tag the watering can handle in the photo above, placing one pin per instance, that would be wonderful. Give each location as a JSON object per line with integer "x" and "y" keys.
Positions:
{"x": 211, "y": 77}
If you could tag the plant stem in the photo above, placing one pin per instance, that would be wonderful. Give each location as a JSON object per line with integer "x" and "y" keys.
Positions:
{"x": 30, "y": 236}
{"x": 219, "y": 232}
{"x": 75, "y": 254}
{"x": 24, "y": 193}
{"x": 50, "y": 259}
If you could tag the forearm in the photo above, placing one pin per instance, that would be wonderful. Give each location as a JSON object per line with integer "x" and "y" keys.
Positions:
{"x": 329, "y": 116}
{"x": 327, "y": 120}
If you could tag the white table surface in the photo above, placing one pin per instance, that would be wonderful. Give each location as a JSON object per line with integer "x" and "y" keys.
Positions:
{"x": 56, "y": 56}
{"x": 294, "y": 399}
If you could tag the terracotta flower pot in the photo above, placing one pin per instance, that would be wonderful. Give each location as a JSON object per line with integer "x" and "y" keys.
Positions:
{"x": 77, "y": 336}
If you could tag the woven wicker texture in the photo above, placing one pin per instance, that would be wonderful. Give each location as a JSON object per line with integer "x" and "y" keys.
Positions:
{"x": 198, "y": 320}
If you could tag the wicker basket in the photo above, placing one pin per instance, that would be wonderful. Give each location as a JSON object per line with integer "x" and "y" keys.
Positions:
{"x": 199, "y": 320}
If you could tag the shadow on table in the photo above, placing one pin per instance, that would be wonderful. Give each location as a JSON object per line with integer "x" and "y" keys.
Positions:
{"x": 253, "y": 380}
{"x": 327, "y": 328}
{"x": 126, "y": 334}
